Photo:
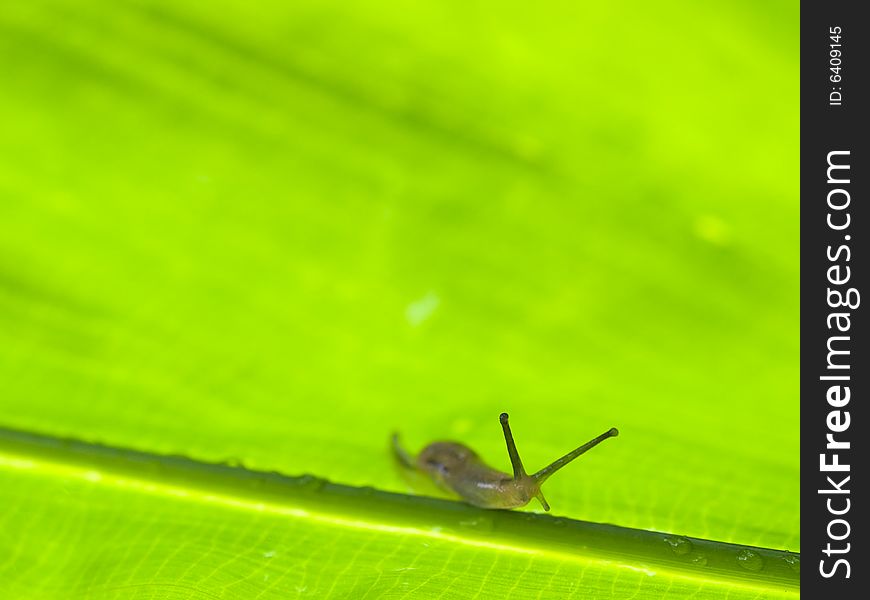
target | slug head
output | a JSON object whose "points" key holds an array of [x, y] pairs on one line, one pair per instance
{"points": [[531, 484]]}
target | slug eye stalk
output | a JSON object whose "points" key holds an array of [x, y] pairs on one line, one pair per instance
{"points": [[535, 481]]}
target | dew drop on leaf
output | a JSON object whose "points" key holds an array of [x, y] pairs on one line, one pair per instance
{"points": [[750, 560], [679, 545]]}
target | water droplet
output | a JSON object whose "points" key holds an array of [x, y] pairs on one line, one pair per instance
{"points": [[794, 562], [479, 524], [713, 230], [679, 545], [422, 309], [310, 483], [750, 560], [700, 560]]}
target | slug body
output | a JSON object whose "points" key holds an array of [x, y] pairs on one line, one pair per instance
{"points": [[457, 469]]}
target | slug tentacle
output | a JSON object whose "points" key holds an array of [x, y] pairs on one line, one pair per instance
{"points": [[401, 454], [542, 475], [516, 463]]}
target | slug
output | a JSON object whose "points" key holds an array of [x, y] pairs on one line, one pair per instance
{"points": [[456, 468]]}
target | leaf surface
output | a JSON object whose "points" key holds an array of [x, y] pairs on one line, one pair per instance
{"points": [[274, 233]]}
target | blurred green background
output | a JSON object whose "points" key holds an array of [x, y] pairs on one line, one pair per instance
{"points": [[277, 232]]}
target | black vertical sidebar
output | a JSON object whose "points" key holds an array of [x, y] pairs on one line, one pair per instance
{"points": [[835, 370]]}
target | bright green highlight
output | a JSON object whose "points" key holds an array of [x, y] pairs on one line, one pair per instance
{"points": [[80, 539], [276, 232]]}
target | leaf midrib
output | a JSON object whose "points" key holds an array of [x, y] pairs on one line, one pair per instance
{"points": [[309, 497]]}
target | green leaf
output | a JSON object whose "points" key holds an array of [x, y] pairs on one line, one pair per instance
{"points": [[274, 233], [105, 489]]}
